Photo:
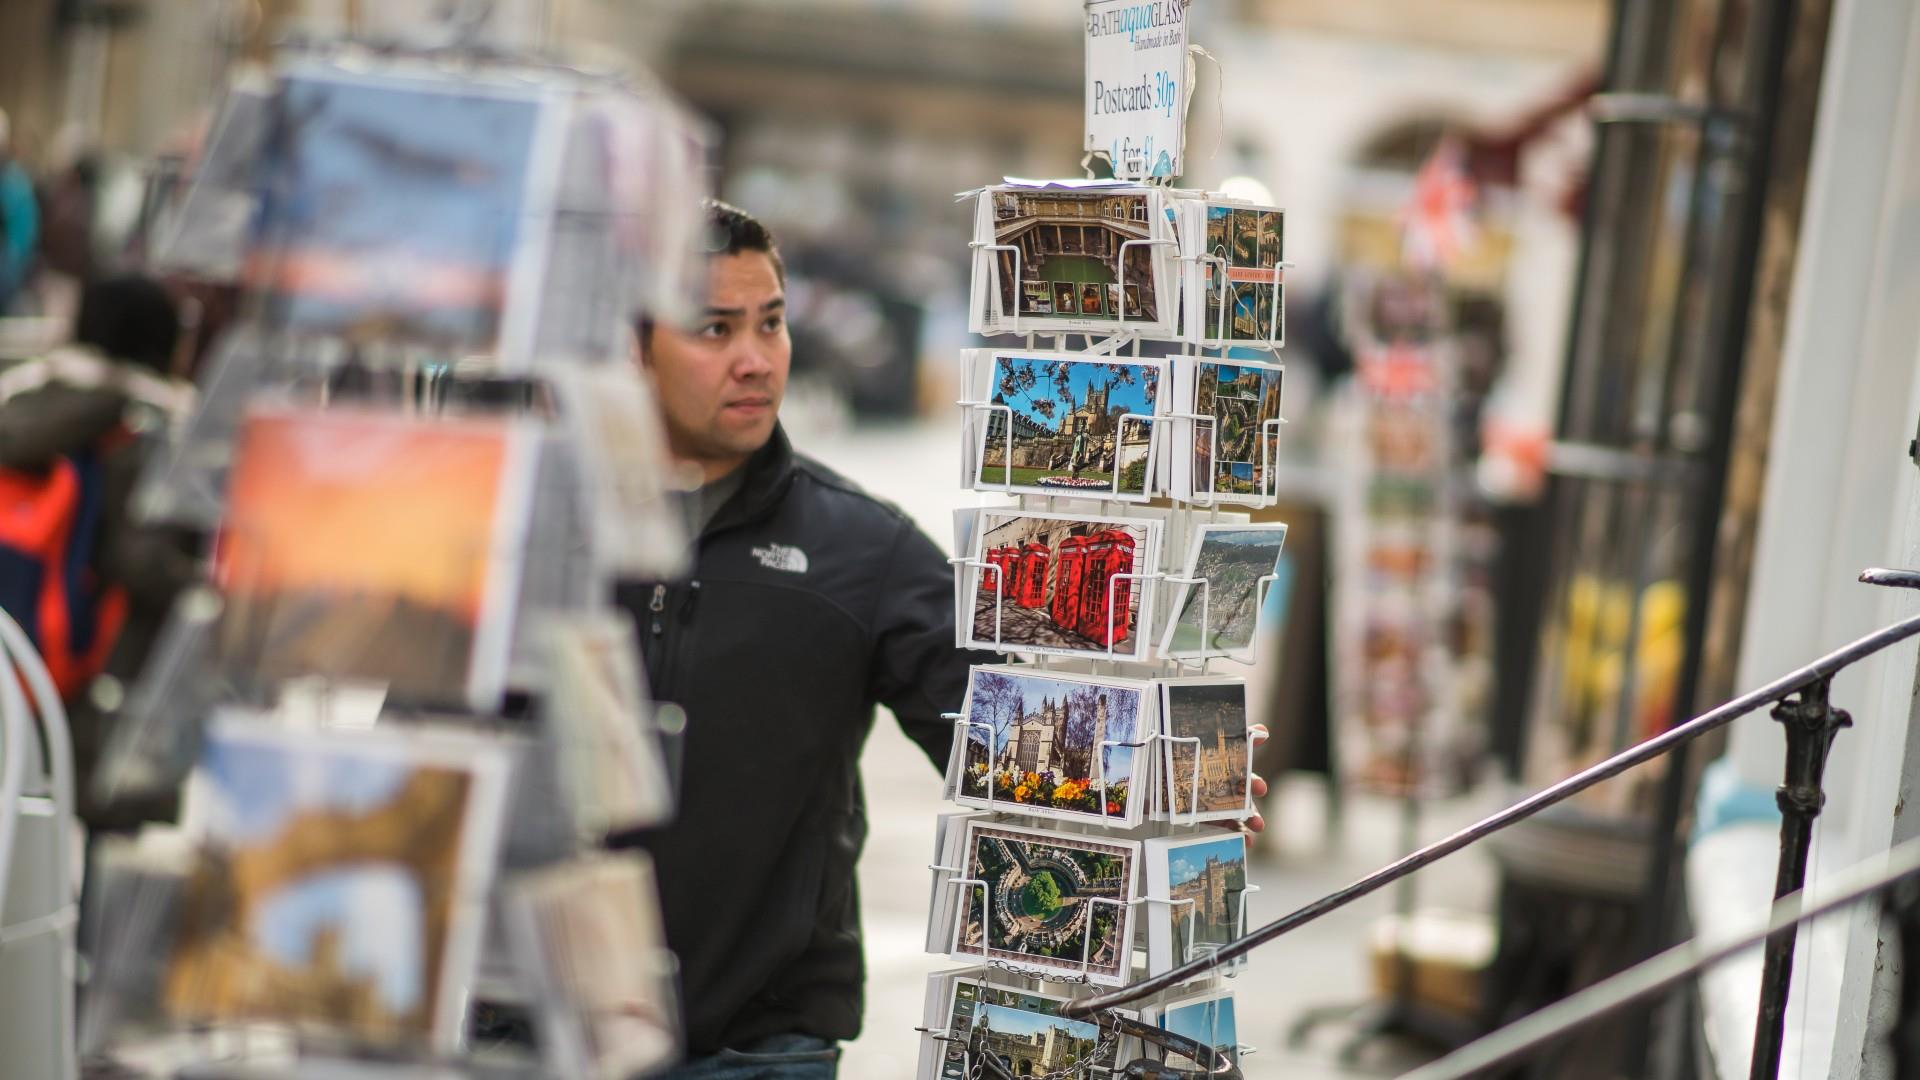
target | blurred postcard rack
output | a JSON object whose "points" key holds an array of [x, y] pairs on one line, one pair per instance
{"points": [[1404, 692], [402, 713]]}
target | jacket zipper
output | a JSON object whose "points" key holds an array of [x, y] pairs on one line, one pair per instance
{"points": [[664, 644]]}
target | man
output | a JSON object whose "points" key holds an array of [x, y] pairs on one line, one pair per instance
{"points": [[809, 602]]}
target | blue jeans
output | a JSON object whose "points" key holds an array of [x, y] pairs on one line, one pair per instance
{"points": [[776, 1057]]}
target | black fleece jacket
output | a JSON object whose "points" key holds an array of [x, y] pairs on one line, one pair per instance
{"points": [[810, 602]]}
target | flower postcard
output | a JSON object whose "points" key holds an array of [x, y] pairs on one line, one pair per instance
{"points": [[1046, 745]]}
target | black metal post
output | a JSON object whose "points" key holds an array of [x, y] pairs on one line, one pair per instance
{"points": [[1902, 906], [1811, 723]]}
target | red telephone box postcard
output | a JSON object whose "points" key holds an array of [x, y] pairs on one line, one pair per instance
{"points": [[1072, 586]]}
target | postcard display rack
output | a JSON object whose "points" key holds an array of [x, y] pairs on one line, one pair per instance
{"points": [[1112, 555], [1402, 554], [402, 717]]}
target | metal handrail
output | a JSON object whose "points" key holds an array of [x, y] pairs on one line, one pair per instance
{"points": [[1643, 980], [1811, 724]]}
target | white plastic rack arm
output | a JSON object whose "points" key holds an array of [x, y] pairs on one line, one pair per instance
{"points": [[17, 648]]}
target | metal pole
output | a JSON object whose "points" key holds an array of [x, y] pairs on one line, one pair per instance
{"points": [[1811, 723]]}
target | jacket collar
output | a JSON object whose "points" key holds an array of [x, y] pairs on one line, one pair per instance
{"points": [[769, 474]]}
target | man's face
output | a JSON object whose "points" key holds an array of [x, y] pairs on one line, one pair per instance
{"points": [[720, 383]]}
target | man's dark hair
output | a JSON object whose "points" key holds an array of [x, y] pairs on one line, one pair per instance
{"points": [[730, 231], [130, 318]]}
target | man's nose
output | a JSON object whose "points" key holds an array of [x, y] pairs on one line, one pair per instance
{"points": [[752, 359]]}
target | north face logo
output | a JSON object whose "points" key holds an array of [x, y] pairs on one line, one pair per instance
{"points": [[782, 557]]}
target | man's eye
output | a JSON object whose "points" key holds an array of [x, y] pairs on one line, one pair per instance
{"points": [[715, 330], [773, 324]]}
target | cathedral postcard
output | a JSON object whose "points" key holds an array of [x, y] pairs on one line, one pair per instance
{"points": [[1061, 746]]}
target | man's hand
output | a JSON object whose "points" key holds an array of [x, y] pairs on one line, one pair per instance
{"points": [[1256, 735]]}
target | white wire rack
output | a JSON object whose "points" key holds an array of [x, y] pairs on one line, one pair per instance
{"points": [[37, 902]]}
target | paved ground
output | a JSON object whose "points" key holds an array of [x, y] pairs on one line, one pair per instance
{"points": [[1324, 964]]}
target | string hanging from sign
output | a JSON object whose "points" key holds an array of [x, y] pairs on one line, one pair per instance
{"points": [[1219, 96]]}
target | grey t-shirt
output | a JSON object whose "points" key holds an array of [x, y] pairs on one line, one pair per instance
{"points": [[699, 505]]}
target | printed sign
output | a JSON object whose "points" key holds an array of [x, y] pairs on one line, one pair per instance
{"points": [[1137, 85]]}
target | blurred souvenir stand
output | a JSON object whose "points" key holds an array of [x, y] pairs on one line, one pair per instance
{"points": [[402, 713]]}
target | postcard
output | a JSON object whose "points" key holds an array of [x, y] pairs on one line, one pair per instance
{"points": [[1065, 585], [1231, 560], [1236, 440], [343, 881], [610, 415], [1051, 903], [589, 932], [1203, 881], [1206, 1019], [612, 770], [1068, 746], [400, 207], [1022, 1028], [965, 520], [376, 548], [1234, 288], [1206, 760], [1053, 259], [949, 839], [134, 891], [207, 234], [1058, 424]]}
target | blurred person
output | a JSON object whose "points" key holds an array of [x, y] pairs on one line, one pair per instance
{"points": [[66, 258], [809, 602], [70, 446], [19, 220]]}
